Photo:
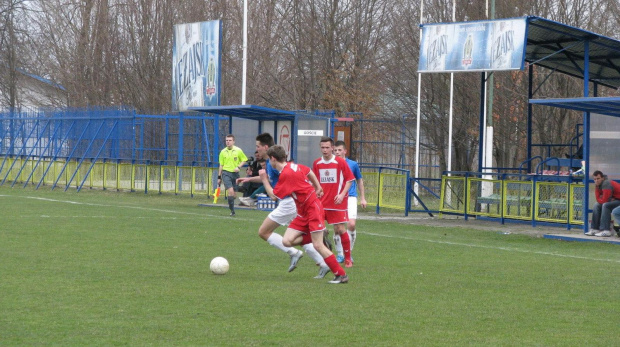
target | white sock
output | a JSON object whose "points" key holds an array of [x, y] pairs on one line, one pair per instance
{"points": [[338, 245], [352, 237], [314, 254], [275, 240]]}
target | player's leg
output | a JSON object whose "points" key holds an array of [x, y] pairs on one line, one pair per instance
{"points": [[352, 211], [315, 223], [289, 240], [329, 258], [290, 237], [282, 215], [341, 229], [332, 217], [229, 184], [338, 246], [306, 241], [339, 219]]}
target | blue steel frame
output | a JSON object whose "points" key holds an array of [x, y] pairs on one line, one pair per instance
{"points": [[95, 134]]}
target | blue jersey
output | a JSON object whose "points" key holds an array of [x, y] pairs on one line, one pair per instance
{"points": [[273, 174], [358, 175]]}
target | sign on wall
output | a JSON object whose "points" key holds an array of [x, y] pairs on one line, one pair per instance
{"points": [[473, 46], [196, 67], [284, 136]]}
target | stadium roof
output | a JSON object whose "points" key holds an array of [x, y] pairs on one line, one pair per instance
{"points": [[561, 47], [248, 112], [604, 105]]}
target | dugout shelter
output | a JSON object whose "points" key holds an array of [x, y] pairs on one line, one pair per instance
{"points": [[521, 44], [297, 131]]}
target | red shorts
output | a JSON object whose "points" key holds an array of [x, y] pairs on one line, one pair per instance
{"points": [[312, 220], [336, 217], [306, 239]]}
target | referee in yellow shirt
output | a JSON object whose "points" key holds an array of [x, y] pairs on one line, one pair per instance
{"points": [[231, 160]]}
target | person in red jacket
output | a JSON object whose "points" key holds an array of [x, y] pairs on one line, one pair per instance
{"points": [[607, 195]]}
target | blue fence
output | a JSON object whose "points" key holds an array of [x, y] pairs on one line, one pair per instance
{"points": [[111, 134]]}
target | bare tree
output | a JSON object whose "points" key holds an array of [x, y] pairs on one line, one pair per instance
{"points": [[12, 37]]}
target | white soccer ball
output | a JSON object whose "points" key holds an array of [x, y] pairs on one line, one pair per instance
{"points": [[219, 266]]}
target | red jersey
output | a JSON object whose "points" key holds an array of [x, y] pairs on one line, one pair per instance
{"points": [[294, 182], [333, 175]]}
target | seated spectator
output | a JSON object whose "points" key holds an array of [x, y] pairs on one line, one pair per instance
{"points": [[607, 195], [616, 214], [251, 199], [248, 188]]}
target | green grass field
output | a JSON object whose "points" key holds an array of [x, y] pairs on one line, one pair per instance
{"points": [[107, 268]]}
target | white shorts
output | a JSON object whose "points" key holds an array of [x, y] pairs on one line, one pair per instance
{"points": [[352, 207], [285, 212]]}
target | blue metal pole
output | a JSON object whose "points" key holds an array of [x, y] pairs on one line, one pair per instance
{"points": [[180, 149], [586, 138], [10, 151], [166, 139], [58, 149], [377, 210], [41, 156], [481, 125], [71, 154], [30, 154], [530, 95], [94, 159], [77, 168], [408, 188], [23, 148]]}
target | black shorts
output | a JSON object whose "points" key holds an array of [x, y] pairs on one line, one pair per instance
{"points": [[230, 179]]}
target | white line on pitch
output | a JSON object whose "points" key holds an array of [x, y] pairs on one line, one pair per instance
{"points": [[101, 217], [124, 206], [509, 249]]}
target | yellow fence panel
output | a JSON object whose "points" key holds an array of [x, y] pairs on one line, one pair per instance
{"points": [[124, 176], [552, 202], [168, 176], [140, 177], [154, 183], [391, 190], [485, 197], [371, 188], [452, 197], [202, 182], [577, 192], [517, 199]]}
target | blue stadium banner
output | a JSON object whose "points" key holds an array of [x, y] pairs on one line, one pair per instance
{"points": [[492, 45], [196, 65]]}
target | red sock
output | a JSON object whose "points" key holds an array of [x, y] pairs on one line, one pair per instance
{"points": [[334, 266], [346, 245]]}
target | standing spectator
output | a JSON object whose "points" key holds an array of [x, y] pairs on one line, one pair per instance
{"points": [[231, 160], [341, 151], [336, 178], [607, 198]]}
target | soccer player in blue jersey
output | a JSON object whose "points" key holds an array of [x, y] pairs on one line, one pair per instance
{"points": [[340, 150]]}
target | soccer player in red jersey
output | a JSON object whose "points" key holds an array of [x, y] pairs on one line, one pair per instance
{"points": [[336, 178], [294, 181]]}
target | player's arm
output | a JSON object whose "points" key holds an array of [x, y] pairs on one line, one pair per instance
{"points": [[268, 189], [315, 183], [253, 179], [360, 187], [340, 197]]}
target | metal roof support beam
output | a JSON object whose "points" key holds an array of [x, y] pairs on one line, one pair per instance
{"points": [[586, 137]]}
